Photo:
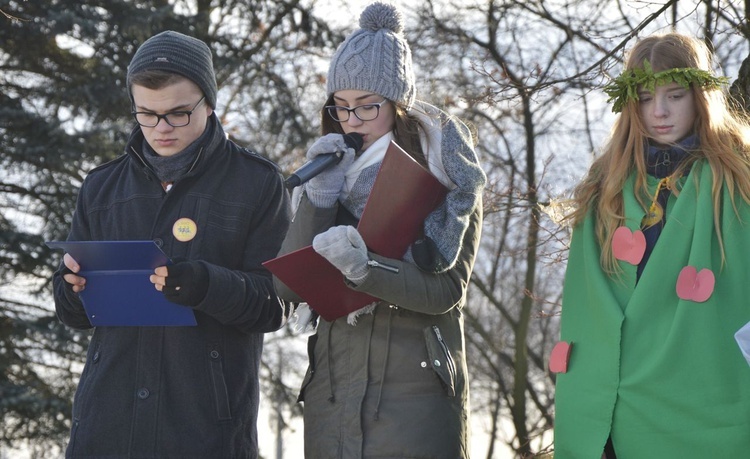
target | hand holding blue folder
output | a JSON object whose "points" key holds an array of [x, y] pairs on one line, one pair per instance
{"points": [[118, 291]]}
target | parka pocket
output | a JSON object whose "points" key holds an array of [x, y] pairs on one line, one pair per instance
{"points": [[88, 378], [219, 384], [310, 366], [73, 435], [441, 359], [83, 392]]}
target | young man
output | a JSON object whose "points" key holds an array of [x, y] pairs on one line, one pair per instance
{"points": [[217, 210]]}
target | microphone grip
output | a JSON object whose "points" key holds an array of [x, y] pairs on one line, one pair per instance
{"points": [[313, 168]]}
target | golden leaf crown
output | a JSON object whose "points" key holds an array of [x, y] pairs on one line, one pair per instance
{"points": [[625, 87]]}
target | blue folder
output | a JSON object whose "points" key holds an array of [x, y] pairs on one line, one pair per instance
{"points": [[118, 290]]}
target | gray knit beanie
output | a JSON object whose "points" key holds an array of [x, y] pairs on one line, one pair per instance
{"points": [[177, 53], [376, 57]]}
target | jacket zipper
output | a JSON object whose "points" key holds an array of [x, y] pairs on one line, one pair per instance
{"points": [[447, 353]]}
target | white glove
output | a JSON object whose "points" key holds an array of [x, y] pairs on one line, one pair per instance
{"points": [[323, 190], [344, 248], [303, 318]]}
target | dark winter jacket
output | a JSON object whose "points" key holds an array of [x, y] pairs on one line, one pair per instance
{"points": [[395, 385], [181, 392]]}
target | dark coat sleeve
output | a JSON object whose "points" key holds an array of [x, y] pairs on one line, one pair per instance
{"points": [[68, 305], [246, 298]]}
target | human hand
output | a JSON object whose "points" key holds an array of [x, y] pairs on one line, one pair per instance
{"points": [[304, 318], [184, 283], [70, 274], [323, 189], [344, 248]]}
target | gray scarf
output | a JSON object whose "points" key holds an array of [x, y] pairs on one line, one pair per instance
{"points": [[171, 168], [450, 152]]}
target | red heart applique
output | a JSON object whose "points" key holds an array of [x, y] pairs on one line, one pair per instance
{"points": [[695, 286], [558, 359], [627, 246]]}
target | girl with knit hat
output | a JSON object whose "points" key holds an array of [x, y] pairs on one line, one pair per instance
{"points": [[657, 279], [390, 379]]}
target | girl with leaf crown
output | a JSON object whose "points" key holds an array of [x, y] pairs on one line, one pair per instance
{"points": [[657, 277]]}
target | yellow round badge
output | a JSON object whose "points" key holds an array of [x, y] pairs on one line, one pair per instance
{"points": [[184, 230]]}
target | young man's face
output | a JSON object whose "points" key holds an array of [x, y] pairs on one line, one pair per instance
{"points": [[184, 96]]}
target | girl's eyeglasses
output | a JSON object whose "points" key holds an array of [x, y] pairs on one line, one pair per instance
{"points": [[366, 112]]}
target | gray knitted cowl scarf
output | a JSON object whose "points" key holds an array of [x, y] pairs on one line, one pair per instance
{"points": [[171, 168], [450, 153]]}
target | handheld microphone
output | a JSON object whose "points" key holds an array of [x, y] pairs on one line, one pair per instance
{"points": [[323, 161]]}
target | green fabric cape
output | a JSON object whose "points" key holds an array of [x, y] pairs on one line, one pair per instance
{"points": [[663, 375]]}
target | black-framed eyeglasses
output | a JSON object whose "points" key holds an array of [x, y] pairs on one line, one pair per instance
{"points": [[366, 112], [174, 119]]}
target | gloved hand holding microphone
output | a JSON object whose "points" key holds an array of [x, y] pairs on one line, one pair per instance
{"points": [[328, 160]]}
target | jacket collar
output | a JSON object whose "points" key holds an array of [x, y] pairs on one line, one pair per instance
{"points": [[662, 161], [209, 151]]}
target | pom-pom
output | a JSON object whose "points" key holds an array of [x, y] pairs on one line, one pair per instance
{"points": [[381, 15]]}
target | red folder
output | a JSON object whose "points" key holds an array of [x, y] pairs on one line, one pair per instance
{"points": [[403, 195]]}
